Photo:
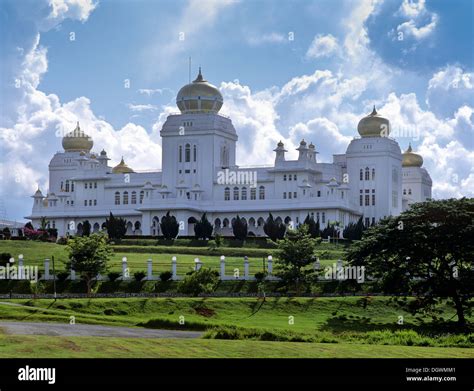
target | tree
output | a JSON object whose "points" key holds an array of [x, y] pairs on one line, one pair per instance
{"points": [[169, 226], [116, 227], [274, 229], [313, 227], [201, 281], [426, 252], [86, 228], [6, 233], [88, 256], [29, 225], [203, 228], [239, 228], [295, 253]]}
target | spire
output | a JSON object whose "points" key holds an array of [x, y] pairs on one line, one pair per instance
{"points": [[199, 77], [409, 148], [374, 112]]}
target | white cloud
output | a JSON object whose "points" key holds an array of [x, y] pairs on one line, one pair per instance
{"points": [[420, 24], [67, 9], [322, 46], [140, 108], [272, 37]]}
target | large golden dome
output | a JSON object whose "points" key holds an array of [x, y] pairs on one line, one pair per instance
{"points": [[411, 159], [373, 125], [199, 96], [122, 168], [77, 140]]}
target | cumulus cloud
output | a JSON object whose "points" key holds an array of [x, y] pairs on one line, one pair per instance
{"points": [[322, 46], [420, 24]]}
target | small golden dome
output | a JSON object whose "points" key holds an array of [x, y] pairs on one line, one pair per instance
{"points": [[411, 159], [77, 140], [373, 125], [311, 145], [280, 144], [121, 168], [199, 96], [303, 143]]}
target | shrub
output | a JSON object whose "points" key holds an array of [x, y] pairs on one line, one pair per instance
{"points": [[113, 276], [166, 276], [4, 258], [61, 240], [139, 276], [62, 276], [260, 276], [202, 281], [218, 240], [169, 226]]}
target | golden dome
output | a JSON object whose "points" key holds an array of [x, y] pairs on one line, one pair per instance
{"points": [[373, 125], [77, 140], [411, 159], [199, 96], [121, 168]]}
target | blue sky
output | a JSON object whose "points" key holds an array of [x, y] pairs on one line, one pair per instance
{"points": [[413, 59]]}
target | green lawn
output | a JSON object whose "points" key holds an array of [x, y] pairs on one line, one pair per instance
{"points": [[36, 252], [94, 347]]}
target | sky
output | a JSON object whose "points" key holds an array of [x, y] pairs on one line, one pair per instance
{"points": [[287, 70]]}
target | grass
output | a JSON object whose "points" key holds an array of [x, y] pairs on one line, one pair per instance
{"points": [[95, 347], [36, 252], [337, 320]]}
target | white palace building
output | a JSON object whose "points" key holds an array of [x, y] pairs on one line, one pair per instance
{"points": [[199, 174]]}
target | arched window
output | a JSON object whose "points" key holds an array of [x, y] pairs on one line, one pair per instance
{"points": [[261, 193], [62, 186], [284, 177], [187, 153], [134, 197], [236, 193], [361, 174], [367, 174], [225, 223], [142, 194], [125, 197], [180, 153], [67, 186], [244, 193], [226, 194], [194, 153], [404, 191], [409, 191], [117, 198], [260, 222], [253, 193], [72, 186], [373, 174], [217, 223]]}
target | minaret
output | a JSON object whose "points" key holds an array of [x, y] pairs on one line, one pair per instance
{"points": [[280, 153], [303, 151]]}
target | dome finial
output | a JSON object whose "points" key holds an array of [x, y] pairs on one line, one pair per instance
{"points": [[199, 77], [374, 112]]}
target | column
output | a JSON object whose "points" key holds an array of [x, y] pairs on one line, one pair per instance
{"points": [[173, 269], [246, 268], [125, 271], [270, 265], [73, 275], [149, 270], [46, 269], [222, 267]]}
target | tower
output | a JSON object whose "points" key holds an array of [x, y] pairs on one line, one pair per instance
{"points": [[374, 165], [198, 142]]}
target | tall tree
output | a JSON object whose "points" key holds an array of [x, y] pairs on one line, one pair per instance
{"points": [[426, 252], [274, 229], [239, 228], [86, 228], [116, 227], [88, 256], [169, 226], [203, 228], [313, 227], [295, 253]]}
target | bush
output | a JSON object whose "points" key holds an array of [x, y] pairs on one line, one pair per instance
{"points": [[4, 258], [62, 276], [61, 240], [202, 281], [260, 276], [113, 276], [139, 276], [166, 276]]}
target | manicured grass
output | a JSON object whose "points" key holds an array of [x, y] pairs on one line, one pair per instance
{"points": [[36, 252], [94, 347]]}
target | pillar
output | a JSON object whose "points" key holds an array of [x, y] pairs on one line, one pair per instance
{"points": [[246, 268], [125, 271], [149, 270], [46, 269], [222, 267], [73, 275], [270, 265], [173, 268]]}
